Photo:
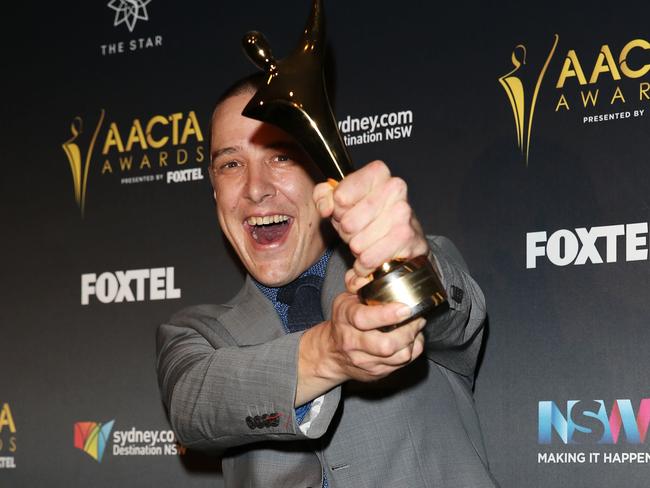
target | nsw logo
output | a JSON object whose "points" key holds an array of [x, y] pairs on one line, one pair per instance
{"points": [[589, 422]]}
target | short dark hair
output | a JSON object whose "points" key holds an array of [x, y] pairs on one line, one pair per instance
{"points": [[247, 84]]}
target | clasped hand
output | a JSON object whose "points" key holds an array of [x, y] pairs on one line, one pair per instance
{"points": [[370, 211]]}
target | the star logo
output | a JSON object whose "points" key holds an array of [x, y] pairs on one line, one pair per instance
{"points": [[129, 12]]}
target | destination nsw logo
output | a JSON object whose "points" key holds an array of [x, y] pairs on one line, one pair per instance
{"points": [[96, 439], [376, 128]]}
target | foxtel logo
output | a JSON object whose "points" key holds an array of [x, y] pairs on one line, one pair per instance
{"points": [[579, 246], [135, 285]]}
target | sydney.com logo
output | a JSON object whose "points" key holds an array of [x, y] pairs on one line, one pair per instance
{"points": [[595, 82], [94, 438]]}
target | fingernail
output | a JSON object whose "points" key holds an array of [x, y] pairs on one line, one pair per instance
{"points": [[404, 312]]}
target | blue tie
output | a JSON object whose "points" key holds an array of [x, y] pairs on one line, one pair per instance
{"points": [[303, 298]]}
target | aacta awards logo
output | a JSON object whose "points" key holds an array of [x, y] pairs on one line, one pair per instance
{"points": [[602, 86], [521, 99], [80, 161], [92, 437], [157, 149], [7, 438]]}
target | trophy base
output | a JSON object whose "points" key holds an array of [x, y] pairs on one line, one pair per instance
{"points": [[413, 282]]}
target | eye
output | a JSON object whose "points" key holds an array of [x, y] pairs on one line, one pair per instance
{"points": [[281, 158], [225, 166]]}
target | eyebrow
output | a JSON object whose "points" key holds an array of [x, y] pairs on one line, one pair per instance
{"points": [[224, 150], [289, 145], [286, 145]]}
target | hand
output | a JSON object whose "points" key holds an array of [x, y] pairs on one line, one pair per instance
{"points": [[352, 346], [362, 351], [370, 211]]}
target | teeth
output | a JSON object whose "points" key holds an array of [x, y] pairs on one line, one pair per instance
{"points": [[267, 219]]}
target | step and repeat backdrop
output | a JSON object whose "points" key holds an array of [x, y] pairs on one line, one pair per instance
{"points": [[521, 128]]}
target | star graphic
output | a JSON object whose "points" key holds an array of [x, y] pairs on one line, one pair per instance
{"points": [[129, 12]]}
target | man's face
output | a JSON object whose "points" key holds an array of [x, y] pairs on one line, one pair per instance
{"points": [[263, 189]]}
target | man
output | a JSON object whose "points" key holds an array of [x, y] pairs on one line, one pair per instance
{"points": [[317, 393]]}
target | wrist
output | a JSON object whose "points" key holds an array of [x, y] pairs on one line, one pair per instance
{"points": [[319, 352]]}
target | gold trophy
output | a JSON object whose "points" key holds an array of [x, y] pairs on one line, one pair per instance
{"points": [[295, 99]]}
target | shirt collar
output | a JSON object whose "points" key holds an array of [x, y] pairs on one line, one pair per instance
{"points": [[318, 269]]}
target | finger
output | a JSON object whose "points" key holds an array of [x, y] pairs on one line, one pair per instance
{"points": [[354, 282], [411, 350], [413, 327], [377, 366], [395, 346], [395, 221], [399, 358], [323, 197], [371, 367], [368, 317], [418, 346], [400, 238], [357, 185], [407, 354], [375, 206], [387, 249]]}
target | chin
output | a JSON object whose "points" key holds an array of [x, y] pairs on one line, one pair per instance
{"points": [[278, 276], [274, 282]]}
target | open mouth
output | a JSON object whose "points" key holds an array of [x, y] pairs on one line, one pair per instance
{"points": [[269, 229]]}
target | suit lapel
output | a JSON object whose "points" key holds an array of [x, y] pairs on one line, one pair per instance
{"points": [[252, 318], [334, 282]]}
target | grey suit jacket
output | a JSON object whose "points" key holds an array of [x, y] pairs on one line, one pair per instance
{"points": [[228, 378]]}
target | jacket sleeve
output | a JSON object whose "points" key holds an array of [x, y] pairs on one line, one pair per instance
{"points": [[454, 337], [219, 394]]}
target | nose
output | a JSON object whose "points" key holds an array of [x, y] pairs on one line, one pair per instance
{"points": [[259, 183]]}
